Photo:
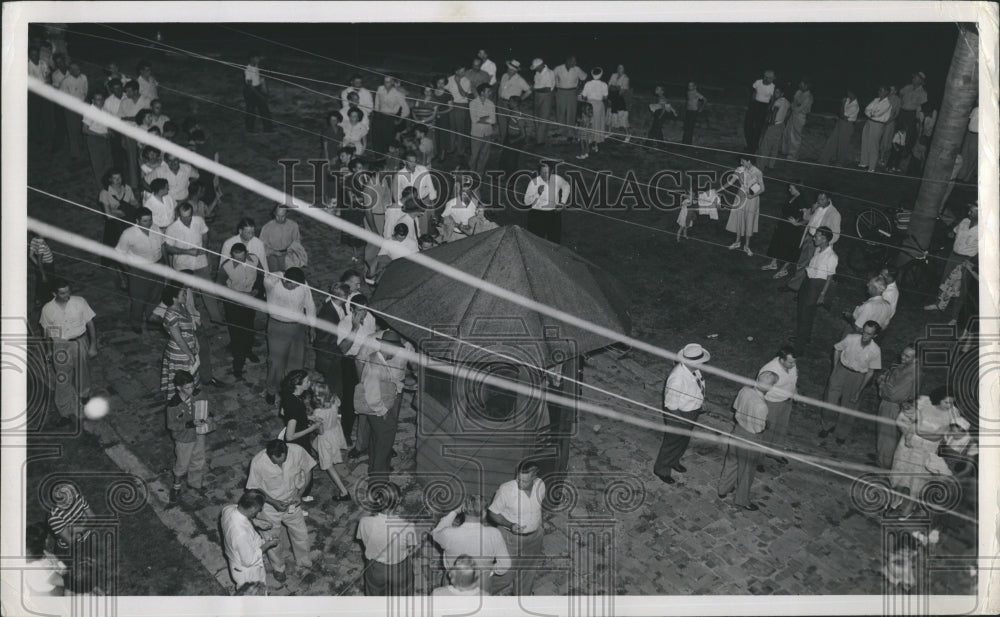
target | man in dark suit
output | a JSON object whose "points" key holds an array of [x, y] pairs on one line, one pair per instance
{"points": [[329, 358]]}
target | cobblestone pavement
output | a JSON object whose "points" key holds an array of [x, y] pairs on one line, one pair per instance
{"points": [[681, 539]]}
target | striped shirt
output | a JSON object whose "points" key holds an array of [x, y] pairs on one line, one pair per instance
{"points": [[38, 247], [62, 517]]}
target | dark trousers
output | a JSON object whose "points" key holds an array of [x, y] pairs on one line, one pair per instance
{"points": [[656, 128], [509, 158], [907, 120], [330, 366], [40, 119], [381, 438], [144, 290], [740, 465], [383, 132], [118, 154], [546, 224], [239, 319], [256, 102], [385, 580], [349, 379], [74, 129], [806, 311], [888, 434], [753, 126], [673, 446], [690, 119], [43, 288]]}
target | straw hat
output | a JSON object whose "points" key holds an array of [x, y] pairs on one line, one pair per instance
{"points": [[693, 353]]}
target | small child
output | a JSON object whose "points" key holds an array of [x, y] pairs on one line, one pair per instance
{"points": [[685, 219], [425, 145], [708, 204], [584, 130], [426, 242], [330, 437], [41, 258]]}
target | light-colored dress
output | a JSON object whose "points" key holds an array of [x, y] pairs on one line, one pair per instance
{"points": [[332, 441], [913, 464], [746, 210]]}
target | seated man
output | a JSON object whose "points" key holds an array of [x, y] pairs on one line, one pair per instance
{"points": [[394, 249]]}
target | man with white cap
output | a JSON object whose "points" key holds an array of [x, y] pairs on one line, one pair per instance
{"points": [[545, 83], [683, 398], [511, 84]]}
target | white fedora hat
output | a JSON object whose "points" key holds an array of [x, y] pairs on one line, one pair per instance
{"points": [[537, 62], [693, 353]]}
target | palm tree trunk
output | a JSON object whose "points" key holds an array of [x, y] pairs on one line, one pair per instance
{"points": [[960, 96]]}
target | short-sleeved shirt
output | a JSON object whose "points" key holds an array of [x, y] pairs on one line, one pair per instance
{"points": [[684, 390], [140, 245], [513, 85], [178, 182], [254, 247], [519, 507], [823, 264], [912, 97], [277, 236], [544, 78], [595, 90], [875, 309], [40, 249], [762, 92], [183, 236], [66, 321], [966, 239], [280, 482], [857, 357], [568, 77], [252, 74], [241, 541], [750, 409], [62, 517], [787, 382], [163, 210], [386, 538]]}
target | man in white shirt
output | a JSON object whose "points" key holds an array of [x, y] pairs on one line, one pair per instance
{"points": [[177, 174], [683, 397], [255, 96], [838, 145], [568, 77], [291, 324], [483, 116], [511, 85], [485, 546], [458, 211], [816, 278], [246, 233], [366, 102], [875, 308], [75, 84], [761, 93], [415, 175], [389, 541], [825, 214], [544, 86], [770, 143], [240, 270], [149, 88], [547, 194], [488, 66], [161, 204], [68, 325], [964, 249], [891, 293], [243, 545], [878, 113], [184, 242], [142, 244], [391, 109], [855, 360], [461, 93], [281, 473], [517, 511], [112, 105], [779, 399]]}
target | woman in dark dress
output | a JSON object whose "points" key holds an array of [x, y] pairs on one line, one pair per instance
{"points": [[353, 209], [293, 411], [784, 245]]}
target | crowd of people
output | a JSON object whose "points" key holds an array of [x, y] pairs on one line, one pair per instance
{"points": [[380, 147]]}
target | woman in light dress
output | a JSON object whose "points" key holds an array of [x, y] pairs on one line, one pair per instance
{"points": [[749, 182], [330, 438]]}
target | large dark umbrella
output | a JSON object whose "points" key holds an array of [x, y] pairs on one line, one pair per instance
{"points": [[516, 260]]}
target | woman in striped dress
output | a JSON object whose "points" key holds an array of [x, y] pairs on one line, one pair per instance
{"points": [[181, 353]]}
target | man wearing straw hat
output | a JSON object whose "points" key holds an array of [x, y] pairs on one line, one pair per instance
{"points": [[683, 398], [511, 85]]}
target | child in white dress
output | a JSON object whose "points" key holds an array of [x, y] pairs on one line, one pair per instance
{"points": [[330, 439]]}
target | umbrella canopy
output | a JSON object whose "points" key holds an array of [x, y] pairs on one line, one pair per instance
{"points": [[518, 261]]}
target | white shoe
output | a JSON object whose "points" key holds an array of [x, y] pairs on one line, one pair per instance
{"points": [[746, 249], [769, 267], [582, 156], [628, 138], [308, 499], [931, 307], [734, 246]]}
